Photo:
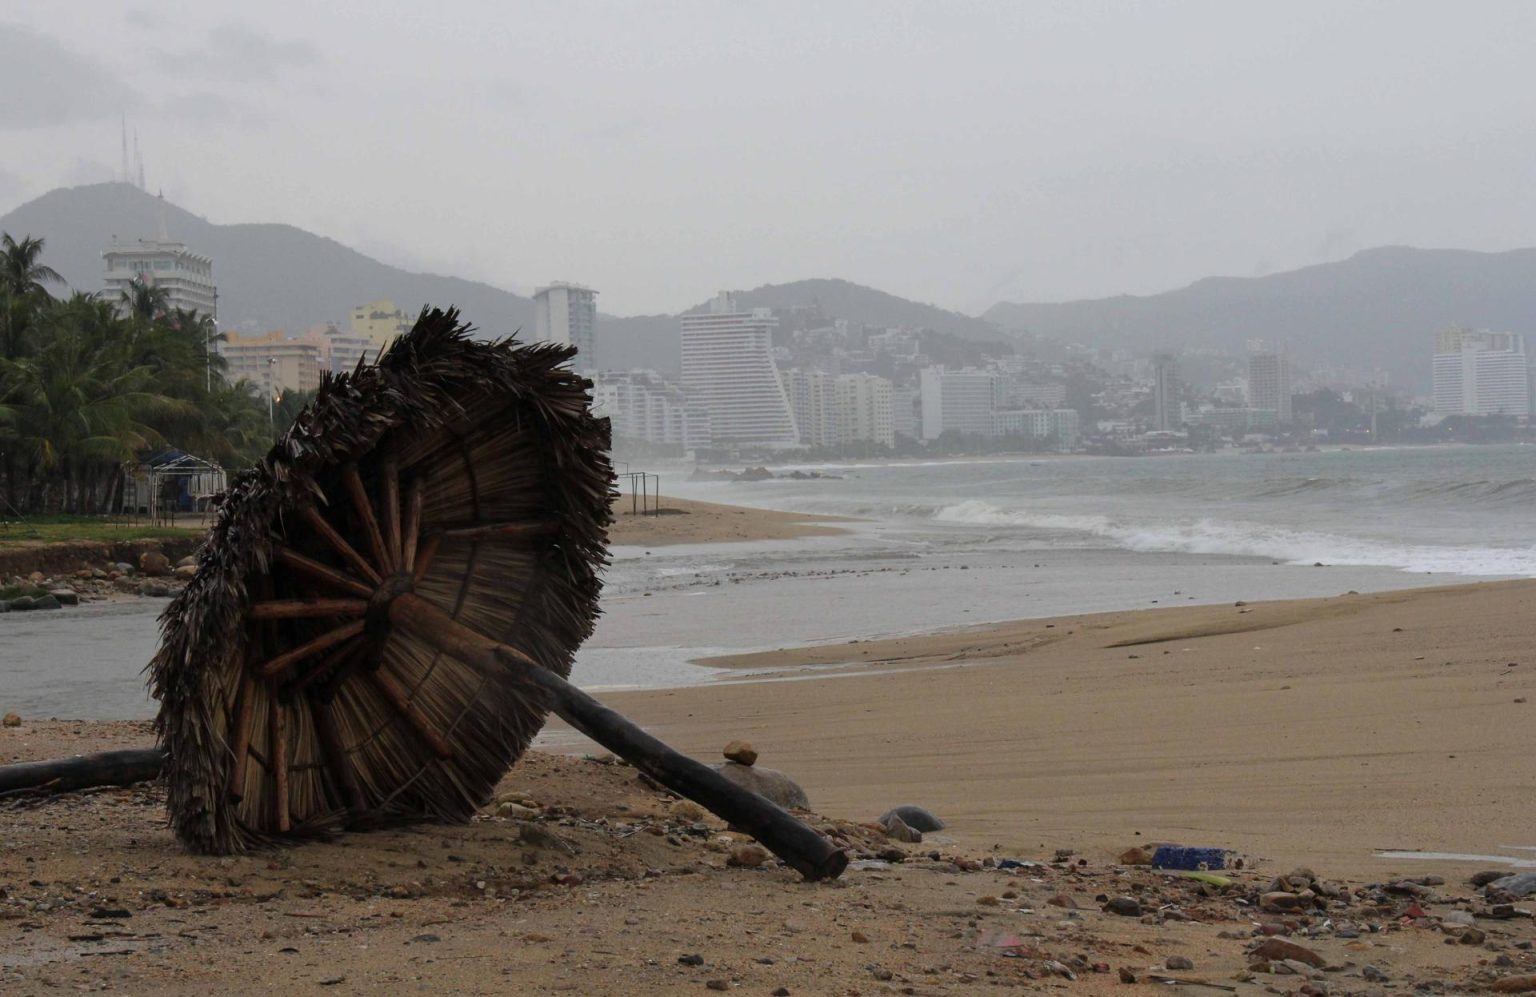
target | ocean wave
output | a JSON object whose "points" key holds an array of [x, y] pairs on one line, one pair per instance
{"points": [[1210, 536]]}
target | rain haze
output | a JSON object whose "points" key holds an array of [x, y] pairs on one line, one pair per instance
{"points": [[955, 153], [518, 497]]}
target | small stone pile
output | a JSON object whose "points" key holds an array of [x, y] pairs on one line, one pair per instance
{"points": [[154, 576]]}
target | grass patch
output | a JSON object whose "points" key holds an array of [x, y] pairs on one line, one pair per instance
{"points": [[65, 529]]}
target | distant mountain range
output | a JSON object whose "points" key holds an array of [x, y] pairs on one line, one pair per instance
{"points": [[282, 277], [1379, 308], [657, 336], [269, 276]]}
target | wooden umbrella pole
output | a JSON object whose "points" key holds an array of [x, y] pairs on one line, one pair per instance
{"points": [[797, 844]]}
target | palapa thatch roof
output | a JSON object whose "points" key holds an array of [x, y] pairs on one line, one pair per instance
{"points": [[492, 483]]}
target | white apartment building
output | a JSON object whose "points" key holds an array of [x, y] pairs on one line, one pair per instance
{"points": [[1060, 426], [1477, 372], [728, 369], [186, 277], [1167, 410], [640, 405], [813, 401], [1269, 382], [834, 409], [864, 409], [567, 313], [958, 401]]}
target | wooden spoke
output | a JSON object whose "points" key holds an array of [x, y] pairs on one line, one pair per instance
{"points": [[322, 572], [278, 730], [336, 757], [397, 698], [413, 503], [245, 707], [364, 508], [425, 553], [339, 544], [500, 531], [390, 511], [323, 642], [340, 657], [304, 609]]}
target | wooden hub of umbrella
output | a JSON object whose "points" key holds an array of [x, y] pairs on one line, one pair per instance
{"points": [[351, 611]]}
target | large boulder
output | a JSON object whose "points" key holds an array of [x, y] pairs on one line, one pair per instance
{"points": [[914, 817], [769, 783], [154, 563]]}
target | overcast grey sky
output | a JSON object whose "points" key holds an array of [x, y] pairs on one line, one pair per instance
{"points": [[958, 153]]}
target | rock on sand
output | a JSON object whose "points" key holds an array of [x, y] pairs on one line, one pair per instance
{"points": [[769, 783]]}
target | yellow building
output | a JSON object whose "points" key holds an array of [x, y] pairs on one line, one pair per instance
{"points": [[379, 322], [272, 362]]}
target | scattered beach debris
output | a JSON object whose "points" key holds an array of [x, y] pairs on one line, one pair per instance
{"points": [[1183, 857]]}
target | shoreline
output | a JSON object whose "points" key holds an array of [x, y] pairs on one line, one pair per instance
{"points": [[1307, 730], [690, 521]]}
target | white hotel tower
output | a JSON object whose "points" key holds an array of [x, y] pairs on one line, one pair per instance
{"points": [[728, 369]]}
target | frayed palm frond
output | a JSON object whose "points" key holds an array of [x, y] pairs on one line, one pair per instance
{"points": [[370, 728]]}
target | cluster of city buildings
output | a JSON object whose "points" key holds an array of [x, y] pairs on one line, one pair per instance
{"points": [[739, 389]]}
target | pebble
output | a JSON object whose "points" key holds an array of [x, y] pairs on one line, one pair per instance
{"points": [[12, 719], [692, 959], [748, 856], [1179, 962], [1124, 906], [741, 752], [898, 830], [1281, 949], [718, 985], [1523, 984]]}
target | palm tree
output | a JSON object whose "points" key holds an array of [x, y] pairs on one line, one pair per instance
{"points": [[23, 287], [144, 301], [78, 407]]}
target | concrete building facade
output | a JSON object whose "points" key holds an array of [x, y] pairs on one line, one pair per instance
{"points": [[379, 322], [1269, 383], [959, 401], [728, 369], [567, 313], [1477, 372], [1167, 410], [272, 362], [186, 277]]}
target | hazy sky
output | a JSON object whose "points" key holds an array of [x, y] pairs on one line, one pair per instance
{"points": [[952, 152]]}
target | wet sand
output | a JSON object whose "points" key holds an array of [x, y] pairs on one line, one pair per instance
{"points": [[1304, 731], [1312, 732], [684, 521]]}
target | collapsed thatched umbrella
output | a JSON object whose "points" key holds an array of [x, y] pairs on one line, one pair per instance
{"points": [[388, 604]]}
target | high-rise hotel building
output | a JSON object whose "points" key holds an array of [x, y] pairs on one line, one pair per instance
{"points": [[728, 369], [1477, 372], [567, 313], [186, 277]]}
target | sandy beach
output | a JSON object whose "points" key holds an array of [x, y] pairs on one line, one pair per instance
{"points": [[1308, 733], [684, 521]]}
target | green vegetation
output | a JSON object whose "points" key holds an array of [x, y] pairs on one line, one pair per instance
{"points": [[87, 384], [63, 529]]}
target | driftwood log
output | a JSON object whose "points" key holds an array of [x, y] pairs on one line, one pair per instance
{"points": [[63, 775]]}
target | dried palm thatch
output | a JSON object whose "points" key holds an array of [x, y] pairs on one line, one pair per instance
{"points": [[474, 470], [387, 606]]}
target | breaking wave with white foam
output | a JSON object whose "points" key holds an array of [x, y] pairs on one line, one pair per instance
{"points": [[1236, 537]]}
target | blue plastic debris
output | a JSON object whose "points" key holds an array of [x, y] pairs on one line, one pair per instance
{"points": [[1179, 857]]}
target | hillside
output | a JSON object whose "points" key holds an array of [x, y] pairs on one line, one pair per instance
{"points": [[657, 336], [1379, 308], [269, 276]]}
